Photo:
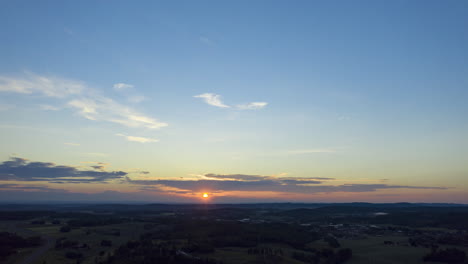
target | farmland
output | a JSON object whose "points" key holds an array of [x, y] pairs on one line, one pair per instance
{"points": [[234, 234]]}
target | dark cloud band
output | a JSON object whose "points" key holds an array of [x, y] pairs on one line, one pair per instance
{"points": [[257, 183], [19, 169]]}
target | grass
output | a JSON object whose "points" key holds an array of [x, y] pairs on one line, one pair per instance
{"points": [[368, 250], [128, 231], [17, 257], [238, 255], [373, 250]]}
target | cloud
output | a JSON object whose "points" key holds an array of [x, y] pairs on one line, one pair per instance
{"points": [[232, 182], [128, 91], [136, 99], [215, 100], [47, 86], [20, 169], [252, 106], [71, 144], [212, 99], [247, 177], [26, 187], [239, 177], [5, 107], [106, 109], [44, 194], [259, 183], [96, 154], [207, 41], [138, 139], [294, 152], [72, 34], [98, 167], [122, 86], [344, 118], [309, 151], [48, 107], [86, 101]]}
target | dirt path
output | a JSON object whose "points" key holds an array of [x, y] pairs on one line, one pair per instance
{"points": [[35, 255], [38, 252]]}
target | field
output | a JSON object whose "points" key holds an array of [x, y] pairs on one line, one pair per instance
{"points": [[231, 236], [90, 236], [373, 250]]}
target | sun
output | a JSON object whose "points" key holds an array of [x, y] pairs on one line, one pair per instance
{"points": [[205, 195]]}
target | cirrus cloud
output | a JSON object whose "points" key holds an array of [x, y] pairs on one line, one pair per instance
{"points": [[46, 107], [106, 109], [212, 99], [138, 139], [216, 100], [122, 86], [252, 106], [87, 102], [46, 85]]}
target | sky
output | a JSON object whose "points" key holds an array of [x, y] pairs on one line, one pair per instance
{"points": [[246, 101]]}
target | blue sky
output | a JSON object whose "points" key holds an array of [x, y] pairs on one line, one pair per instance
{"points": [[361, 92]]}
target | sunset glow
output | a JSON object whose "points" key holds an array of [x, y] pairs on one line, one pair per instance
{"points": [[215, 102], [234, 131]]}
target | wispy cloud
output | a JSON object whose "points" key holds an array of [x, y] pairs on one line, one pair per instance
{"points": [[101, 166], [29, 193], [138, 139], [72, 34], [280, 177], [49, 86], [87, 102], [123, 86], [48, 107], [26, 187], [136, 98], [292, 152], [215, 100], [344, 117], [309, 151], [96, 154], [71, 144], [129, 92], [235, 177], [252, 106], [106, 109], [207, 41], [212, 99], [5, 107]]}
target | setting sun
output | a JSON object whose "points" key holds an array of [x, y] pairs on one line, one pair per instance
{"points": [[205, 195]]}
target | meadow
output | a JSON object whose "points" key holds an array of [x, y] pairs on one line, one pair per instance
{"points": [[227, 235]]}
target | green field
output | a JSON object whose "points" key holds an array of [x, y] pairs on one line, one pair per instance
{"points": [[373, 250], [368, 250], [238, 255], [202, 237], [92, 236]]}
